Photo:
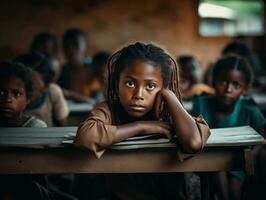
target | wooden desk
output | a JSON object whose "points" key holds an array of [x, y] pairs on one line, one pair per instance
{"points": [[225, 150]]}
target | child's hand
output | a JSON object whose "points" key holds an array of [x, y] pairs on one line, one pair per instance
{"points": [[155, 127]]}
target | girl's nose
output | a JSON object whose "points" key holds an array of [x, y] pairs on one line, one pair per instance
{"points": [[138, 94], [229, 88], [7, 97]]}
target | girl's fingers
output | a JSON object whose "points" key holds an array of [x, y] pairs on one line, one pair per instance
{"points": [[165, 125], [167, 133]]}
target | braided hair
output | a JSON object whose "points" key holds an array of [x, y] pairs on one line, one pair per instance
{"points": [[146, 53]]}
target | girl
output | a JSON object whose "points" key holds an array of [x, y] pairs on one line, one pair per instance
{"points": [[142, 98], [232, 77], [15, 93]]}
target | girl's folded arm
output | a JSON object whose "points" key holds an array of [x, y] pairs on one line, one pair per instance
{"points": [[188, 132]]}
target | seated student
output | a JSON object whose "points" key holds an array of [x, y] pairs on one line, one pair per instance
{"points": [[48, 102], [140, 78], [15, 93], [45, 43], [232, 76], [74, 43], [190, 75], [95, 86]]}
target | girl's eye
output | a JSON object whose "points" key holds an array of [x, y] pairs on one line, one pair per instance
{"points": [[222, 82], [17, 94], [130, 84], [150, 87], [237, 85]]}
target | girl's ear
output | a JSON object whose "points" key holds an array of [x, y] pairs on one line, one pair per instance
{"points": [[28, 102], [246, 91]]}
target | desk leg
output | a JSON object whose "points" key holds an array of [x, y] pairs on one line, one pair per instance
{"points": [[249, 161]]}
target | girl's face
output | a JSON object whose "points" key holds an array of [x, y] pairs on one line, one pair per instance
{"points": [[229, 86], [13, 98], [139, 84]]}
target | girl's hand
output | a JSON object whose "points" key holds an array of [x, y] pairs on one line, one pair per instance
{"points": [[155, 127]]}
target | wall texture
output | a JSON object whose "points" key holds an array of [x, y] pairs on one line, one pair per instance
{"points": [[109, 24]]}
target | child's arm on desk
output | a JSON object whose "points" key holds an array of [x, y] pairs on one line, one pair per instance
{"points": [[142, 127], [98, 132], [186, 129]]}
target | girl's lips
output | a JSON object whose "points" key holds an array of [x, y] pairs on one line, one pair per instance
{"points": [[6, 109], [137, 107]]}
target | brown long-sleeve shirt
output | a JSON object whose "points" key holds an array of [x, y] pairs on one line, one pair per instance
{"points": [[98, 132]]}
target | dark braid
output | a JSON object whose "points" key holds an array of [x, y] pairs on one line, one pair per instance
{"points": [[147, 53]]}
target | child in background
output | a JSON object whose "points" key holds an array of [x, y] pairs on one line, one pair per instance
{"points": [[75, 46], [15, 93], [45, 43], [95, 86], [232, 77], [48, 102], [190, 75], [140, 78]]}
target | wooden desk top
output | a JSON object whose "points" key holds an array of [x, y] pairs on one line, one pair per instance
{"points": [[60, 136], [225, 150]]}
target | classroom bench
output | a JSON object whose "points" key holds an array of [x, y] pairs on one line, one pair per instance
{"points": [[49, 150]]}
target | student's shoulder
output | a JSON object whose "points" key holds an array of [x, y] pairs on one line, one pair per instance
{"points": [[248, 104], [55, 92], [53, 87], [101, 110], [33, 121]]}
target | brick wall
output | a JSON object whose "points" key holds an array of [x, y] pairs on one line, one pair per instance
{"points": [[109, 24]]}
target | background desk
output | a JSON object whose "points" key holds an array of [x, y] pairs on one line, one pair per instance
{"points": [[227, 149]]}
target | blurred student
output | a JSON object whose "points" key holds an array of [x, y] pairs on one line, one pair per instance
{"points": [[75, 72], [190, 74], [45, 43], [48, 102], [232, 77], [95, 85]]}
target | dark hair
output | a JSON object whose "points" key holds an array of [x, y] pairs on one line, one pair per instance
{"points": [[99, 62], [18, 70], [143, 52], [70, 37], [242, 49], [39, 63], [233, 62], [239, 48], [184, 60], [40, 39]]}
